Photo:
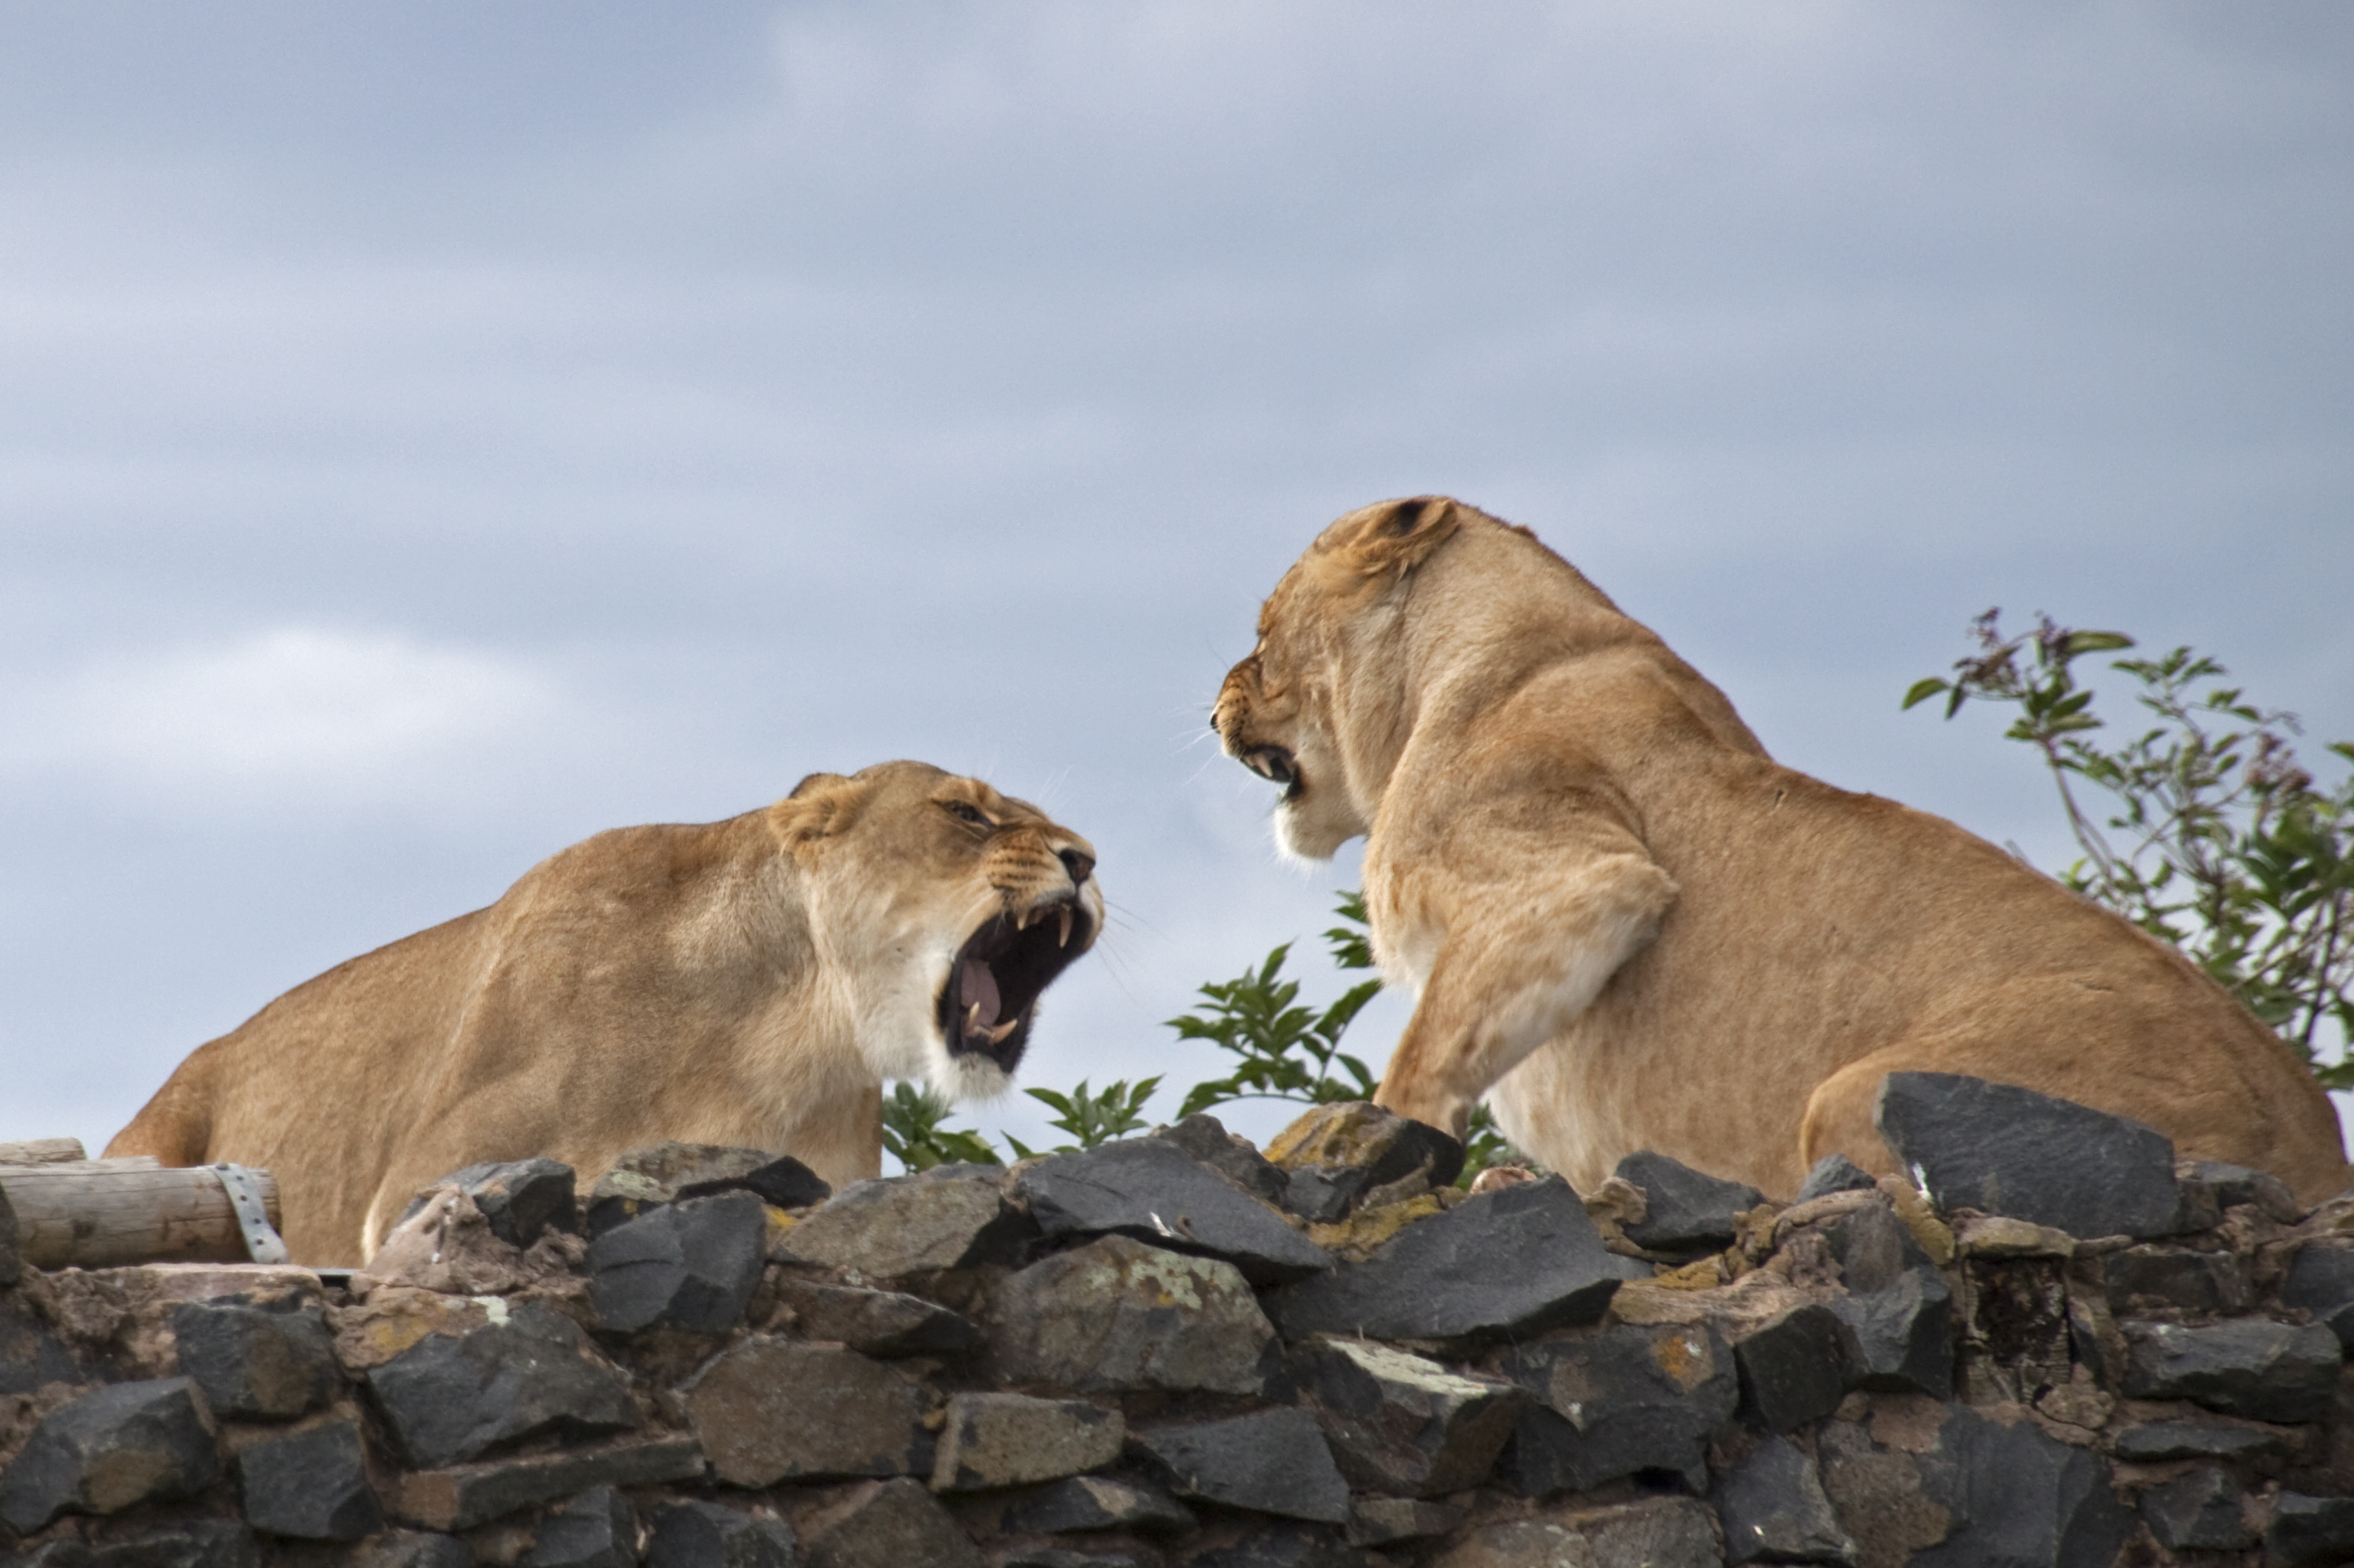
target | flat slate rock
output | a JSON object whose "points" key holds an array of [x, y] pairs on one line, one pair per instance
{"points": [[1772, 1507], [951, 1216], [1205, 1138], [696, 1534], [256, 1364], [1684, 1208], [522, 1198], [464, 1496], [2160, 1440], [2003, 1149], [691, 1264], [189, 1544], [897, 1525], [111, 1450], [1519, 1260], [309, 1484], [1616, 1402], [2309, 1533], [1402, 1424], [450, 1400], [991, 1440], [598, 1529], [769, 1410], [2250, 1366], [1116, 1314], [1269, 1461], [2198, 1510], [875, 1322], [1092, 1503], [1153, 1191]]}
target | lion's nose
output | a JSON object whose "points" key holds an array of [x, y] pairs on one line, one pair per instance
{"points": [[1077, 863]]}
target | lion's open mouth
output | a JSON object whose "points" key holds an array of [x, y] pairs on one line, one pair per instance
{"points": [[1277, 766], [993, 987]]}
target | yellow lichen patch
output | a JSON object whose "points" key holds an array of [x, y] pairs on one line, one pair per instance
{"points": [[1683, 1357], [779, 1223], [1706, 1274], [1355, 1237], [1348, 1133], [1914, 1209]]}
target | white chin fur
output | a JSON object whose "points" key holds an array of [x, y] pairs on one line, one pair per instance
{"points": [[1304, 841], [967, 1078]]}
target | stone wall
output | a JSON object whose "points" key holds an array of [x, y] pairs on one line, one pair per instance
{"points": [[2060, 1347]]}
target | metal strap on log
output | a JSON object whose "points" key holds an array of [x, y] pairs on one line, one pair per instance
{"points": [[105, 1213]]}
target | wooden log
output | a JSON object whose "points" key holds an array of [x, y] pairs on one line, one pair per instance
{"points": [[42, 1151], [104, 1213]]}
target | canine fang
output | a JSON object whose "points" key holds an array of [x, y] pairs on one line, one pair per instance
{"points": [[997, 1035], [1064, 914]]}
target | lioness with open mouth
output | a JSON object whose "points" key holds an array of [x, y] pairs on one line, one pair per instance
{"points": [[1629, 928], [748, 982]]}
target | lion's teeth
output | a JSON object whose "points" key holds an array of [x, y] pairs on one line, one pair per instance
{"points": [[1064, 914], [972, 1019], [1022, 920], [997, 1035]]}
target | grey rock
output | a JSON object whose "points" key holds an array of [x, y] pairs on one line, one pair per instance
{"points": [[1323, 1193], [254, 1364], [1032, 1555], [1204, 1137], [769, 1410], [2003, 1149], [1657, 1532], [1517, 1261], [1387, 1147], [522, 1198], [2321, 1280], [898, 1525], [598, 1529], [2161, 1440], [1092, 1503], [186, 1543], [1615, 1402], [2144, 1279], [643, 1179], [1772, 1507], [446, 1400], [311, 1484], [1684, 1209], [1152, 1191], [1011, 1439], [2234, 1185], [1270, 1461], [11, 1263], [951, 1216], [691, 1264], [1986, 1493], [2199, 1510], [30, 1354], [1379, 1521], [1872, 1247], [414, 1549], [1399, 1423], [1284, 1546], [875, 1322], [1117, 1314], [1833, 1174], [1794, 1368], [2309, 1533], [111, 1450], [1901, 1337], [2250, 1367], [694, 1534], [464, 1496]]}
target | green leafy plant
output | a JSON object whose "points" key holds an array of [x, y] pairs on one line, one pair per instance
{"points": [[2215, 837], [1091, 1118], [913, 1134]]}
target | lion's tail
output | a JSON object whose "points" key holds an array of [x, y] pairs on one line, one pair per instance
{"points": [[175, 1126]]}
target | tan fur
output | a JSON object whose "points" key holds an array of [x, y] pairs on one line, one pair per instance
{"points": [[1629, 929], [750, 983]]}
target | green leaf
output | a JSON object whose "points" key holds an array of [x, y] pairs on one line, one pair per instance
{"points": [[1922, 690], [2094, 642]]}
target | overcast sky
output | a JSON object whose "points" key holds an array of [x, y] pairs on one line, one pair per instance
{"points": [[431, 434]]}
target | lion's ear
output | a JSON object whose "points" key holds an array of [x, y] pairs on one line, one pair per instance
{"points": [[820, 806], [1395, 538]]}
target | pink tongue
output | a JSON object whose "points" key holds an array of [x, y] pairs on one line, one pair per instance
{"points": [[976, 984]]}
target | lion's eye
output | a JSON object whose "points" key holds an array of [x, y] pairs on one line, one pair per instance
{"points": [[964, 813]]}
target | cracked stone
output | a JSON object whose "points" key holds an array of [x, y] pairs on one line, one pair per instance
{"points": [[951, 1216], [1773, 1506], [2234, 1185], [769, 1410], [1284, 1546], [1683, 1208], [1616, 1402], [448, 1400], [2250, 1367], [1152, 1191], [1011, 1439], [2003, 1149], [256, 1364], [1517, 1261], [1323, 1193], [414, 1549], [111, 1450], [1117, 1314], [1270, 1461], [1399, 1423], [690, 1265], [311, 1484], [694, 1534]]}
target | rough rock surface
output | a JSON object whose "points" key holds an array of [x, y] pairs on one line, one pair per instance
{"points": [[2002, 1150], [1010, 1439], [895, 1525], [254, 1364], [1901, 1336], [1117, 1314], [1684, 1209], [1354, 1135], [1616, 1402], [1402, 1424], [1517, 1261], [111, 1450], [696, 1534], [1205, 1138], [1772, 1505], [2321, 1281], [311, 1484], [1154, 1192], [1094, 1503], [691, 1264], [951, 1216], [598, 1529], [1659, 1532], [520, 1198], [875, 1322], [2271, 1372], [769, 1410], [448, 1399], [1270, 1461], [644, 1179]]}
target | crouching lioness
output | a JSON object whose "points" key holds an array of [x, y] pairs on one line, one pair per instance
{"points": [[750, 983], [1629, 929]]}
